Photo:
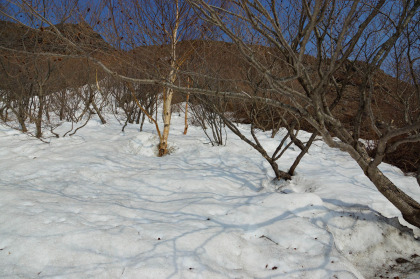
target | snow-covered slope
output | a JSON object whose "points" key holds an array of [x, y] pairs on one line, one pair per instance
{"points": [[100, 204]]}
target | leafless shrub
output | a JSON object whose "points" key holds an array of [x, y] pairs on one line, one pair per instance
{"points": [[206, 112]]}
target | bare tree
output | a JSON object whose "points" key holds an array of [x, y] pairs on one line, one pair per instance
{"points": [[316, 39], [153, 30], [319, 45]]}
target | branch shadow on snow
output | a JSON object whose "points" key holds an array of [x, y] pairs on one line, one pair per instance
{"points": [[129, 223]]}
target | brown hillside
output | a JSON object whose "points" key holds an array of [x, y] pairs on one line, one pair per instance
{"points": [[20, 37], [209, 64]]}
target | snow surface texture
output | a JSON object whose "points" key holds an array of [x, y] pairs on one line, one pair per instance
{"points": [[100, 204]]}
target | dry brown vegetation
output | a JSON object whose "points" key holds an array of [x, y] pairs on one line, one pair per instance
{"points": [[313, 65], [210, 64]]}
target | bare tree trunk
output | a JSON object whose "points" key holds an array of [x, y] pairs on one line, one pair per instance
{"points": [[38, 120], [186, 108], [409, 208], [279, 173], [62, 103], [143, 117], [98, 112], [301, 154], [186, 114], [21, 117], [167, 113]]}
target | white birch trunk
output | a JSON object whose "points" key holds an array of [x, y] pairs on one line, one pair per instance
{"points": [[168, 93]]}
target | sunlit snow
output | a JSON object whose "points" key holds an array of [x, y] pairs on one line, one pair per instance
{"points": [[100, 204]]}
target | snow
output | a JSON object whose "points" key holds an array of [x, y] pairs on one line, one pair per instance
{"points": [[100, 204]]}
